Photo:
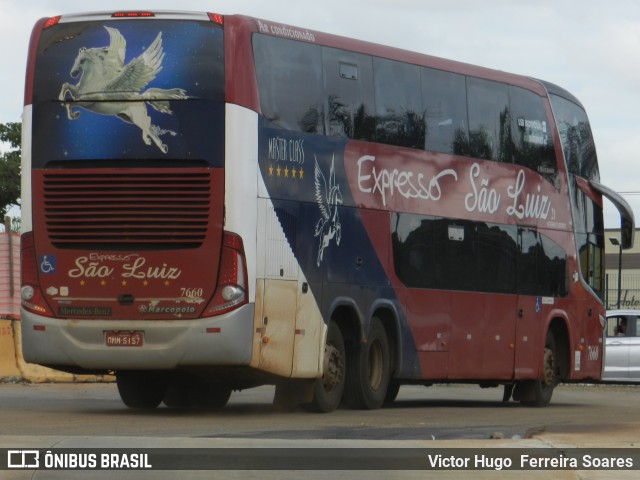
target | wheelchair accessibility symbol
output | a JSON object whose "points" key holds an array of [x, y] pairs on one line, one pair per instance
{"points": [[47, 264]]}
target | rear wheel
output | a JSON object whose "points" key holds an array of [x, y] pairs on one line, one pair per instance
{"points": [[327, 391], [140, 389], [392, 392], [196, 393], [210, 396], [368, 370]]}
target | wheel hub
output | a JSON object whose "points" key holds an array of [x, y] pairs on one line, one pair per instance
{"points": [[549, 367], [332, 376]]}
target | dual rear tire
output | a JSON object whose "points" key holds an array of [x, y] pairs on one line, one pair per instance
{"points": [[368, 370], [147, 389], [357, 376]]}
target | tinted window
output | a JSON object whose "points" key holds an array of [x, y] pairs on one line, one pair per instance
{"points": [[434, 252], [489, 124], [554, 276], [348, 84], [399, 112], [575, 136], [414, 251], [587, 216], [542, 265], [532, 142], [444, 96], [440, 253], [290, 83], [590, 250], [323, 90], [496, 259]]}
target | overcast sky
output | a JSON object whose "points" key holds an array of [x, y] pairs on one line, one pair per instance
{"points": [[589, 47]]}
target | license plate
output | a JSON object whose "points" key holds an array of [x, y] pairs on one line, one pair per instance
{"points": [[124, 339]]}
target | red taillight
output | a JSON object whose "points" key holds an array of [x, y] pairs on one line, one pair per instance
{"points": [[216, 18], [132, 14], [51, 22], [31, 295], [232, 277]]}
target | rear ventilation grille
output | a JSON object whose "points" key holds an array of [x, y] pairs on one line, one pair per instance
{"points": [[113, 211]]}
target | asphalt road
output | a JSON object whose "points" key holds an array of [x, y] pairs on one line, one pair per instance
{"points": [[453, 418], [446, 412]]}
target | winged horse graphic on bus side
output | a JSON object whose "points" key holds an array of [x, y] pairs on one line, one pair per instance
{"points": [[328, 198], [109, 87]]}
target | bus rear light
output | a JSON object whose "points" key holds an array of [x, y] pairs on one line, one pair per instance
{"points": [[232, 277], [51, 22], [216, 18], [31, 296], [132, 14]]}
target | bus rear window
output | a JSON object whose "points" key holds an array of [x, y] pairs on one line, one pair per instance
{"points": [[155, 86]]}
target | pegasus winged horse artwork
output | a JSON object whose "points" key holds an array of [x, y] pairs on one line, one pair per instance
{"points": [[328, 198], [108, 86]]}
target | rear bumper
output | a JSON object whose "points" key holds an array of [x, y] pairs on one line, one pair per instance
{"points": [[225, 340]]}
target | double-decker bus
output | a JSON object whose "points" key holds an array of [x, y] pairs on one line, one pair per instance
{"points": [[218, 202]]}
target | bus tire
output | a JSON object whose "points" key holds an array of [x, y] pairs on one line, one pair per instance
{"points": [[537, 393], [196, 394], [328, 390], [176, 395], [142, 390], [209, 396], [368, 370], [392, 392]]}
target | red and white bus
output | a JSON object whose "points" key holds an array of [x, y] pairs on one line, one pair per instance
{"points": [[217, 202]]}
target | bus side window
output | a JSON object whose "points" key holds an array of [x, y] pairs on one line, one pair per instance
{"points": [[554, 269], [587, 216], [348, 83], [496, 257], [445, 111], [290, 83], [542, 265], [575, 136], [530, 262], [399, 112], [531, 132], [489, 124]]}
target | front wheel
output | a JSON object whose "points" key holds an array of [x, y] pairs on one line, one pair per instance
{"points": [[369, 370], [537, 393]]}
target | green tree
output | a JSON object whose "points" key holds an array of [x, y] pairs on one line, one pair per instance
{"points": [[10, 166]]}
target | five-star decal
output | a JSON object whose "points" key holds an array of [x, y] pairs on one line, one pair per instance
{"points": [[292, 173]]}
